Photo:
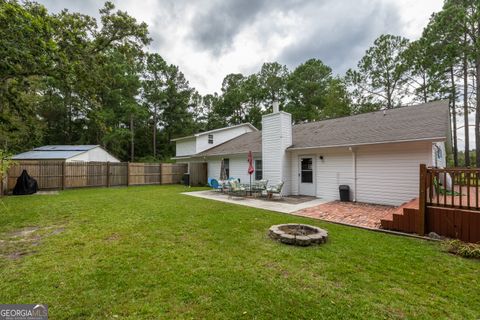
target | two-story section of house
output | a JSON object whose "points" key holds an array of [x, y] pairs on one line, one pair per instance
{"points": [[195, 148]]}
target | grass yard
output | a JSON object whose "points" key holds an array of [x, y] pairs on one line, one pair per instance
{"points": [[151, 252]]}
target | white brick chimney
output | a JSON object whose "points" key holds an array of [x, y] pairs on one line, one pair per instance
{"points": [[276, 138]]}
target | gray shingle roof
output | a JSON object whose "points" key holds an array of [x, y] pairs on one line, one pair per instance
{"points": [[420, 122]]}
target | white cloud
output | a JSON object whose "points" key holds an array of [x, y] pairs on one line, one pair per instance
{"points": [[264, 30]]}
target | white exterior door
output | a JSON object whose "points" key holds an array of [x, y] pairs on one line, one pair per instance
{"points": [[306, 175]]}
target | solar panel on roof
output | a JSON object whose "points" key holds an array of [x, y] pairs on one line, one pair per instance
{"points": [[85, 147], [42, 154]]}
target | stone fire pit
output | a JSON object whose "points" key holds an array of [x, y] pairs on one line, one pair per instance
{"points": [[298, 234]]}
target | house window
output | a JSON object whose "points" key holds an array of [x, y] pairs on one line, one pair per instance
{"points": [[210, 138], [258, 170], [439, 153], [307, 170], [226, 163]]}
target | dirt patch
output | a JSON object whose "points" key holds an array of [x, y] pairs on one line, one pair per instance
{"points": [[113, 237], [19, 255], [17, 244], [47, 193], [22, 233]]}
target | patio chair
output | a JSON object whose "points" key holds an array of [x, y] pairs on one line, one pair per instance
{"points": [[261, 184], [215, 185], [235, 188], [276, 189], [209, 181]]}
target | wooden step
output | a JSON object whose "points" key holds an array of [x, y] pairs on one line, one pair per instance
{"points": [[386, 224]]}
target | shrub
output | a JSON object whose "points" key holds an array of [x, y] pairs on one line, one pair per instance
{"points": [[466, 250]]}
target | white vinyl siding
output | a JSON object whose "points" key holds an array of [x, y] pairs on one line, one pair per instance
{"points": [[213, 168], [276, 138], [389, 174], [238, 167], [185, 147], [204, 141], [386, 174], [219, 137], [334, 170]]}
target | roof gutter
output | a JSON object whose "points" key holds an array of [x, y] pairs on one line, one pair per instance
{"points": [[368, 143]]}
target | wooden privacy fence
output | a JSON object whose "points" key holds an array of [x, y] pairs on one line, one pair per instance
{"points": [[448, 204], [61, 175]]}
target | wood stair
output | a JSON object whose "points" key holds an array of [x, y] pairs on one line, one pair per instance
{"points": [[403, 222]]}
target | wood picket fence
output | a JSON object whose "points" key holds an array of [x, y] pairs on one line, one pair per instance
{"points": [[55, 174]]}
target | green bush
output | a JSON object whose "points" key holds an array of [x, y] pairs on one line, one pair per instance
{"points": [[466, 250]]}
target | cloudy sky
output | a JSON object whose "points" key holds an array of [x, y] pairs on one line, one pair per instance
{"points": [[211, 38]]}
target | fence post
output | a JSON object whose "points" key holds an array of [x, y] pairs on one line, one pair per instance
{"points": [[63, 174], [1, 178], [128, 174], [108, 174], [422, 200], [160, 173]]}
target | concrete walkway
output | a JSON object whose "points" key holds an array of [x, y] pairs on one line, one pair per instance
{"points": [[273, 205]]}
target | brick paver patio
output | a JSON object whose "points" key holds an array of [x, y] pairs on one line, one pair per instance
{"points": [[361, 214]]}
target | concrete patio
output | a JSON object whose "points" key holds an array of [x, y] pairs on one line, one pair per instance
{"points": [[284, 204]]}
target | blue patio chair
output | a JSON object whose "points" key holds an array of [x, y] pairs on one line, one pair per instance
{"points": [[209, 181], [215, 185]]}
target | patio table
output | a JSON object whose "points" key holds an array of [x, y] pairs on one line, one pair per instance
{"points": [[254, 188]]}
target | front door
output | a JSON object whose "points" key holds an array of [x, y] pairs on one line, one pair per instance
{"points": [[307, 175]]}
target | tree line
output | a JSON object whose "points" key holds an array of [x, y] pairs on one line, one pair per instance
{"points": [[67, 78]]}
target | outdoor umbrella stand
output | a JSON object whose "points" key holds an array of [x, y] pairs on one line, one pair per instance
{"points": [[251, 169]]}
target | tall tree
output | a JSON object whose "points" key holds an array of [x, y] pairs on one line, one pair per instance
{"points": [[458, 24], [234, 98], [424, 82], [28, 52], [381, 73], [176, 115], [307, 88], [273, 79], [254, 96], [337, 100], [154, 83]]}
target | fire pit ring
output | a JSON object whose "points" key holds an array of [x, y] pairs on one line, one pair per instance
{"points": [[298, 234]]}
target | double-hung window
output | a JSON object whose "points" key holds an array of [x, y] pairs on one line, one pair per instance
{"points": [[258, 170]]}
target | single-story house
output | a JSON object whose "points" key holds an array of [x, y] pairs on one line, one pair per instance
{"points": [[376, 154], [68, 153]]}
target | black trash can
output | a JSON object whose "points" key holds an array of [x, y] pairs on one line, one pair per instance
{"points": [[344, 192], [186, 179]]}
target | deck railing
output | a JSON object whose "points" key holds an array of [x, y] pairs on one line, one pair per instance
{"points": [[452, 187]]}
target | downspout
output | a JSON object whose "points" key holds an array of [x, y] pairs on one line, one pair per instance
{"points": [[354, 168]]}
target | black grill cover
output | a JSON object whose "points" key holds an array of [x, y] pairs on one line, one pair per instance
{"points": [[25, 184]]}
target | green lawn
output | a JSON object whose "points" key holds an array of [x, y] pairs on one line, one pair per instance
{"points": [[151, 252]]}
